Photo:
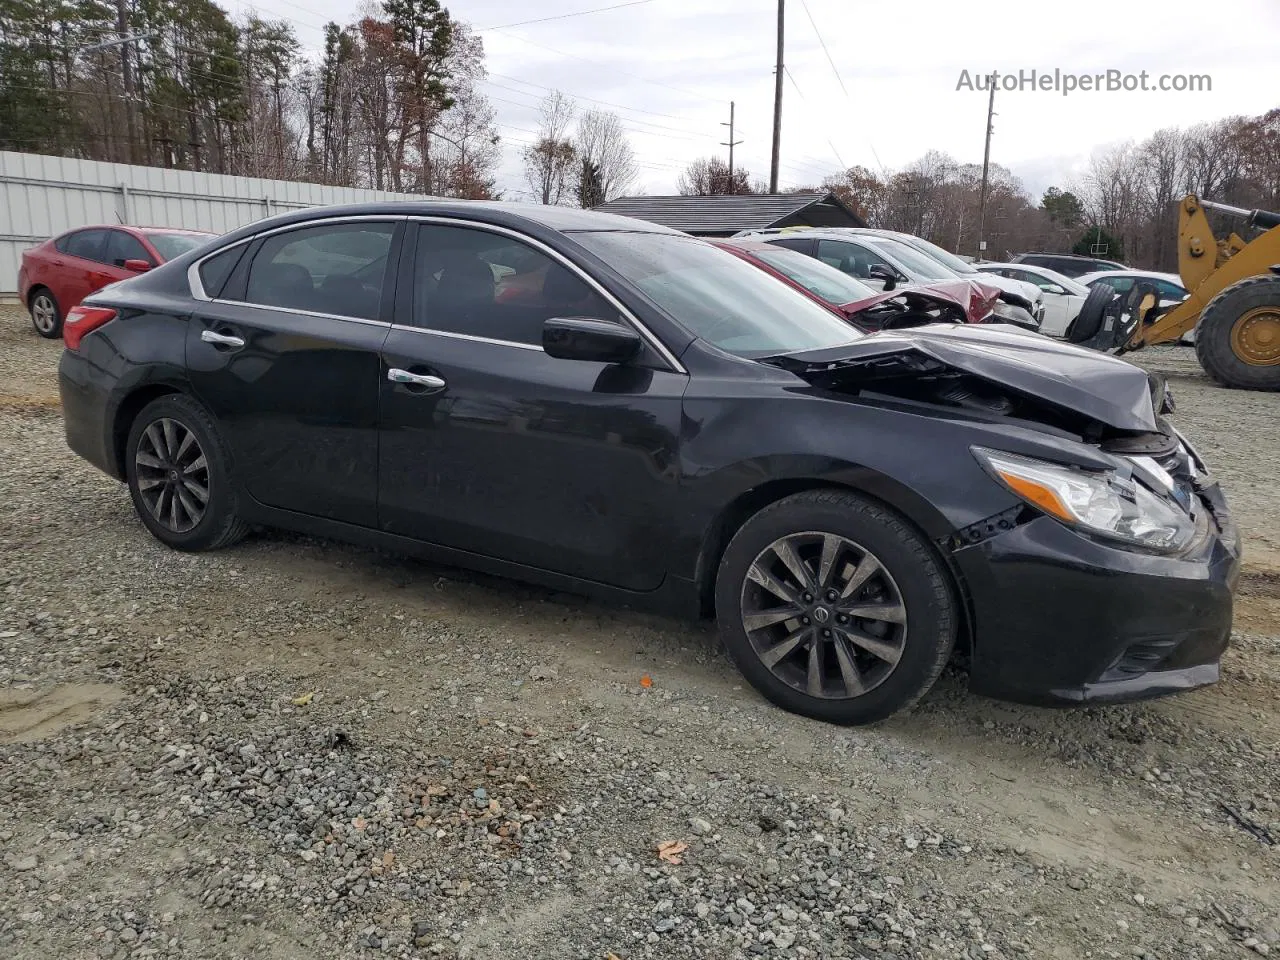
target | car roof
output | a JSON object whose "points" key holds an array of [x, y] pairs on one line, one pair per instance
{"points": [[1067, 256], [1090, 277], [499, 213], [130, 227], [746, 243]]}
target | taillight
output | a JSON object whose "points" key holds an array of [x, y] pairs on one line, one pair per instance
{"points": [[83, 320]]}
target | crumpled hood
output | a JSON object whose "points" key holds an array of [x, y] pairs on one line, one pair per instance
{"points": [[973, 298], [1104, 388]]}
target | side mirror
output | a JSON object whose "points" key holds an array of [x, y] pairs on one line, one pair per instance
{"points": [[137, 266], [1055, 289], [579, 338], [879, 271]]}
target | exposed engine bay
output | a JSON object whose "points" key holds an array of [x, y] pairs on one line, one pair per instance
{"points": [[909, 309]]}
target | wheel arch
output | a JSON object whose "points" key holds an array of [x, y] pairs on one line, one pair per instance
{"points": [[126, 412], [910, 506], [36, 288]]}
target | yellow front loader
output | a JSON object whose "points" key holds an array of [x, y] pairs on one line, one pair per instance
{"points": [[1235, 298]]}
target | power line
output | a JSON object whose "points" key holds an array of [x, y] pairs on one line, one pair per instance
{"points": [[607, 103], [564, 16], [612, 68], [818, 34], [691, 134]]}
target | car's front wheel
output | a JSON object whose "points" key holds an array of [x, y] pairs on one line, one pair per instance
{"points": [[834, 607], [45, 315], [179, 479]]}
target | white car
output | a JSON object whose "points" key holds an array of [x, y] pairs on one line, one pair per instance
{"points": [[1168, 286], [963, 268], [1063, 297]]}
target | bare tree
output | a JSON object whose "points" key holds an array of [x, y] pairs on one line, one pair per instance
{"points": [[549, 163], [601, 142], [710, 177]]}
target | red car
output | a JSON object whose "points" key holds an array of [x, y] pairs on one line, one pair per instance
{"points": [[56, 275], [869, 309]]}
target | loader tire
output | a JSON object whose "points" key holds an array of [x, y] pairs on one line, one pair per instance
{"points": [[1089, 320], [1238, 339]]}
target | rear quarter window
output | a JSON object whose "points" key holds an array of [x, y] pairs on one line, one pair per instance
{"points": [[216, 270]]}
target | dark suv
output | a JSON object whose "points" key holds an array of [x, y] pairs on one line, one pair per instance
{"points": [[602, 405], [1067, 264]]}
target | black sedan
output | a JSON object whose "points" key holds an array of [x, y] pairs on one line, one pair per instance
{"points": [[605, 406]]}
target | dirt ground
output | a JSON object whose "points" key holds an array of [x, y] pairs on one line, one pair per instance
{"points": [[300, 748]]}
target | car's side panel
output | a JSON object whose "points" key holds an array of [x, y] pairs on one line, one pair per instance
{"points": [[561, 464], [297, 403], [116, 365]]}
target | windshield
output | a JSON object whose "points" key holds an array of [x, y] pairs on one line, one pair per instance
{"points": [[719, 297], [171, 245], [944, 257], [828, 283], [915, 262]]}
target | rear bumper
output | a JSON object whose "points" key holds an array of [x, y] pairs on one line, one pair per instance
{"points": [[1060, 619], [86, 412]]}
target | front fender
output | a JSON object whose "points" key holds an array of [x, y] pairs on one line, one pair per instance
{"points": [[738, 456]]}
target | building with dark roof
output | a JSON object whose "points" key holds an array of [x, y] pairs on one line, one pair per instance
{"points": [[724, 216]]}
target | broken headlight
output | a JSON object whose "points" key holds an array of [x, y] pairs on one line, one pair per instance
{"points": [[1103, 503]]}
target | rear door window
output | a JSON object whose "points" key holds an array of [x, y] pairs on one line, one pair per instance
{"points": [[87, 244], [338, 269]]}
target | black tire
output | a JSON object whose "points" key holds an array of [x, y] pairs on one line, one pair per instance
{"points": [[1088, 321], [914, 572], [1214, 334], [46, 315], [218, 524]]}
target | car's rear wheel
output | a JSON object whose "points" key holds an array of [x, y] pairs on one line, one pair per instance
{"points": [[177, 468], [45, 315], [834, 607]]}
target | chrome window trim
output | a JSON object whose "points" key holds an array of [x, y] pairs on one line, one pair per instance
{"points": [[197, 286], [564, 261], [470, 337], [300, 313], [198, 292]]}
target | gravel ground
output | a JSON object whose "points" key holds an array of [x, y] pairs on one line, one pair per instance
{"points": [[296, 748]]}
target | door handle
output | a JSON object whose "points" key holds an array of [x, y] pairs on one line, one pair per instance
{"points": [[221, 339], [396, 375]]}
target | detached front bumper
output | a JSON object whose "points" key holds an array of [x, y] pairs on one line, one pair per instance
{"points": [[1060, 619]]}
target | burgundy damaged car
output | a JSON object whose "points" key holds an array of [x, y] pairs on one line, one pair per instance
{"points": [[944, 301]]}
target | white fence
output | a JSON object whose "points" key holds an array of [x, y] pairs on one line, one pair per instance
{"points": [[41, 197]]}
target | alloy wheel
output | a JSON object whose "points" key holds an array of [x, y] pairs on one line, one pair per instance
{"points": [[44, 315], [824, 615], [173, 475]]}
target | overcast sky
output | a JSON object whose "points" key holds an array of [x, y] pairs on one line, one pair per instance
{"points": [[670, 67]]}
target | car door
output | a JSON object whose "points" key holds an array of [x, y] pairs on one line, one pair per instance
{"points": [[82, 270], [490, 446], [121, 248], [283, 348]]}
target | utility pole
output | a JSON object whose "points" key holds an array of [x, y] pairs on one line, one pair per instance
{"points": [[122, 25], [986, 166], [731, 144], [777, 102]]}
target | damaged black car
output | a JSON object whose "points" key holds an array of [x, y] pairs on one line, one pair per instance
{"points": [[604, 406]]}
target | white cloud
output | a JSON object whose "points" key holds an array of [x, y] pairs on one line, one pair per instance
{"points": [[674, 65]]}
